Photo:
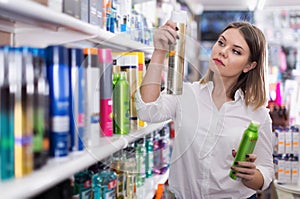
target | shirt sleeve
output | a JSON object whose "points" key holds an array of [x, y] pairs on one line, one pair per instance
{"points": [[264, 151], [164, 108]]}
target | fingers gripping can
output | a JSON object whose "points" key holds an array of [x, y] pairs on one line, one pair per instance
{"points": [[176, 55], [247, 145]]}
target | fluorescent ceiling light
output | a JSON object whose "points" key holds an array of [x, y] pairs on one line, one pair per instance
{"points": [[261, 4], [251, 4]]}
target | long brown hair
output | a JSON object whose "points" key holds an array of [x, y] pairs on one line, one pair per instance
{"points": [[253, 82]]}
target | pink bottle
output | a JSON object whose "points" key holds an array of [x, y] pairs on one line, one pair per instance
{"points": [[105, 63]]}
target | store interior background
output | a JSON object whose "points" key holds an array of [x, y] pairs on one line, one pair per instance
{"points": [[279, 20]]}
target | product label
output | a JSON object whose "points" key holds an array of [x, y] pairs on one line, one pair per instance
{"points": [[85, 194], [150, 163], [295, 146], [288, 142], [110, 195], [112, 184], [106, 117], [80, 120], [60, 124]]}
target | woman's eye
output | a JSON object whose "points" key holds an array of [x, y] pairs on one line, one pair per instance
{"points": [[220, 43], [236, 52]]}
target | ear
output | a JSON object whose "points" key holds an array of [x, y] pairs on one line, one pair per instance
{"points": [[249, 67]]}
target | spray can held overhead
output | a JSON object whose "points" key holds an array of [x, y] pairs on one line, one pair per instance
{"points": [[176, 55]]}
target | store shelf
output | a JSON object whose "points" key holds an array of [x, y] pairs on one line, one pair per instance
{"points": [[58, 169], [37, 25], [147, 191], [289, 188]]}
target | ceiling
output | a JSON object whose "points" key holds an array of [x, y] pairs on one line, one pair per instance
{"points": [[200, 5]]}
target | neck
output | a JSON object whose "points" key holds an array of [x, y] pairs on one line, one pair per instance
{"points": [[222, 87]]}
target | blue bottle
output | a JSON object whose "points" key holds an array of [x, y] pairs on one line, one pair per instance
{"points": [[59, 93], [77, 98], [104, 183]]}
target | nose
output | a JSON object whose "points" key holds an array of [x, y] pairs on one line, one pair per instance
{"points": [[224, 51]]}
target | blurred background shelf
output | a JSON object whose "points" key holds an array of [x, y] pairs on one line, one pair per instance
{"points": [[37, 25], [59, 169]]}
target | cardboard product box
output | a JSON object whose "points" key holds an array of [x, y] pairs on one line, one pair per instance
{"points": [[5, 38], [95, 12], [68, 7], [84, 11], [77, 8], [55, 5]]}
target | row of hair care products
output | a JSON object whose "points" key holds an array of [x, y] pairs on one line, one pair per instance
{"points": [[112, 15], [56, 99], [286, 155], [125, 171]]}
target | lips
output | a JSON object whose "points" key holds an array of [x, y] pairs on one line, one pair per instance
{"points": [[218, 62]]}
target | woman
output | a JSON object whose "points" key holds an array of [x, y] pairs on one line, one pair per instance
{"points": [[211, 115]]}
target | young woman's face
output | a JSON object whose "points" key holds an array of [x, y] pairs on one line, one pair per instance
{"points": [[230, 55]]}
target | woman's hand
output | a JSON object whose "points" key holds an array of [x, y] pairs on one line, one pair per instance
{"points": [[246, 170], [164, 36]]}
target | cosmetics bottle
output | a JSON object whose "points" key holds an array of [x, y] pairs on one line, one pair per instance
{"points": [[6, 116], [23, 112], [121, 101], [59, 94], [77, 99], [140, 162], [149, 155], [92, 94], [130, 65], [40, 109], [106, 92]]}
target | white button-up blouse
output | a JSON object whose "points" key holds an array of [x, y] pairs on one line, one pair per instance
{"points": [[204, 139]]}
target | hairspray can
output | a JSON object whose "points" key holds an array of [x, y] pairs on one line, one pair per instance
{"points": [[59, 93], [140, 74], [176, 55], [76, 98], [130, 65], [23, 112], [92, 95], [247, 144], [105, 64], [121, 99], [40, 108]]}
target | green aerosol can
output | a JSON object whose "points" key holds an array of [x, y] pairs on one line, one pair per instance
{"points": [[247, 145], [121, 98]]}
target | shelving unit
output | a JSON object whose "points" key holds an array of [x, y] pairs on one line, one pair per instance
{"points": [[147, 191], [36, 25], [33, 24], [58, 169]]}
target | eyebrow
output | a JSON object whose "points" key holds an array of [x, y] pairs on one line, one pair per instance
{"points": [[237, 46]]}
